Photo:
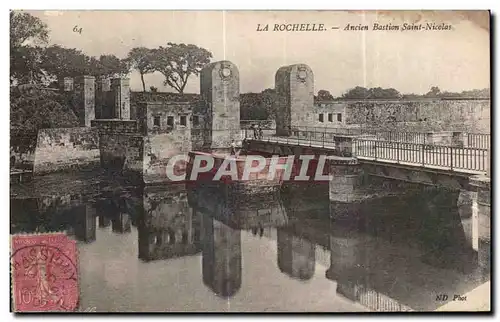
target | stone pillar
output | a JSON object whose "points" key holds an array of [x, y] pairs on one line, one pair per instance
{"points": [[66, 84], [103, 108], [296, 256], [121, 94], [488, 160], [344, 145], [481, 217], [344, 190], [85, 99], [294, 86], [220, 92]]}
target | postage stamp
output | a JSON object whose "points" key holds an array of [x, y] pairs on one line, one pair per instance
{"points": [[44, 273]]}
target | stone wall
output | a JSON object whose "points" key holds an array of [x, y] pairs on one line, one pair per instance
{"points": [[159, 149], [167, 132], [471, 115], [122, 153], [115, 126], [329, 115], [66, 148]]}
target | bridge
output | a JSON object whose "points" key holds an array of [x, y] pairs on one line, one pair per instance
{"points": [[404, 158], [410, 149]]}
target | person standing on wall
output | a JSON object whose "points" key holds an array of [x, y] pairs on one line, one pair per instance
{"points": [[255, 131]]}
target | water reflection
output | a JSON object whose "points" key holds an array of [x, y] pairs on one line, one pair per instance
{"points": [[225, 213], [168, 228], [395, 262], [221, 261], [398, 256]]}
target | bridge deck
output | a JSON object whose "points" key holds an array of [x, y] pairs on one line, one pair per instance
{"points": [[471, 161]]}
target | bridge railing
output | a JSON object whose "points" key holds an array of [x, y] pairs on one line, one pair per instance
{"points": [[470, 140], [309, 138], [478, 140], [450, 157]]}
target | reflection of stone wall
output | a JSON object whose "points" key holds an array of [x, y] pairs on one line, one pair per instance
{"points": [[348, 259], [168, 228], [239, 210]]}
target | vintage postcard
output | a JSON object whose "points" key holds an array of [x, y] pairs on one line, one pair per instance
{"points": [[250, 161]]}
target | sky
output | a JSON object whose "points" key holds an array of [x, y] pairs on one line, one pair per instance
{"points": [[409, 61]]}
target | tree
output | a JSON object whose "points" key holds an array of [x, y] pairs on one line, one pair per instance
{"points": [[62, 62], [141, 58], [33, 108], [110, 66], [26, 65], [357, 92], [179, 61], [25, 31], [324, 95], [379, 92], [434, 92], [258, 106], [26, 28], [372, 93]]}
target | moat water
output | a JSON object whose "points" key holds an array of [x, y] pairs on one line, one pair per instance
{"points": [[175, 248]]}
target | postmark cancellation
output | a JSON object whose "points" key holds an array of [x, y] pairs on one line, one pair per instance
{"points": [[44, 273]]}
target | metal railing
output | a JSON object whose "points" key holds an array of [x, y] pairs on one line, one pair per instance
{"points": [[450, 157], [478, 140], [380, 303], [331, 130], [471, 140], [316, 139]]}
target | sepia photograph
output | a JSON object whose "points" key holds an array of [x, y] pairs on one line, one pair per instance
{"points": [[250, 161]]}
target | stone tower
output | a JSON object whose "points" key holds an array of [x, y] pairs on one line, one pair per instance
{"points": [[121, 104], [84, 95], [220, 93], [295, 97]]}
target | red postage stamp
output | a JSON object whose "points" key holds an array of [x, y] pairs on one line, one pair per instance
{"points": [[44, 273]]}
